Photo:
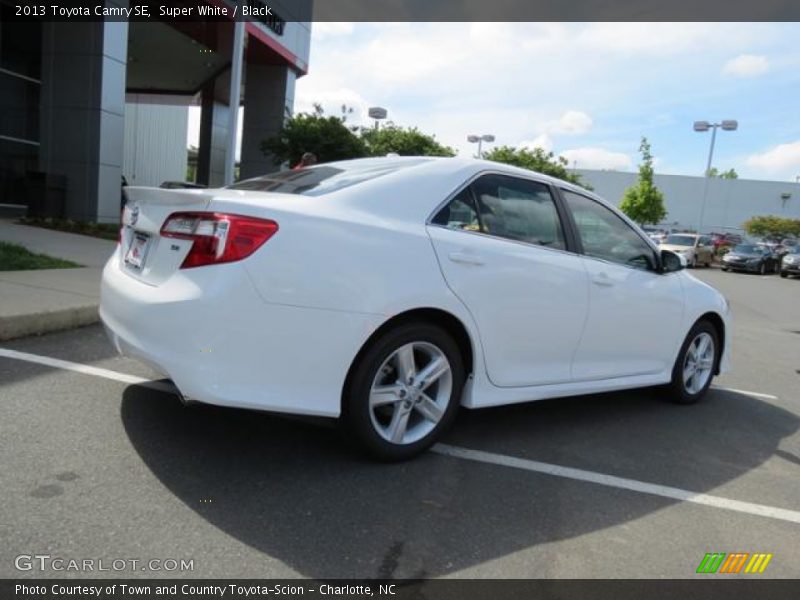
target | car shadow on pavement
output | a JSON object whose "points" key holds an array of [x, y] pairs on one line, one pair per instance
{"points": [[297, 492]]}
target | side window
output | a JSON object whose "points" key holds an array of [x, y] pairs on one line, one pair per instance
{"points": [[604, 235], [459, 213], [518, 209]]}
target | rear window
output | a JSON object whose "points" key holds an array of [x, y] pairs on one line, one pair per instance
{"points": [[322, 179]]}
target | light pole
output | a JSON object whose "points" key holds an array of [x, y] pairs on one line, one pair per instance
{"points": [[479, 139], [377, 113], [701, 127]]}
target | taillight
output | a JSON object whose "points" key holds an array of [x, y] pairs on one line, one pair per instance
{"points": [[218, 237]]}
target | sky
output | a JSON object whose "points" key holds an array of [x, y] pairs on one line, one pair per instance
{"points": [[587, 92]]}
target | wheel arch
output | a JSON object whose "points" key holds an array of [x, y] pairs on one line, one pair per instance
{"points": [[436, 316]]}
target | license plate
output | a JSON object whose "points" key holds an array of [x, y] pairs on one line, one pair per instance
{"points": [[137, 251]]}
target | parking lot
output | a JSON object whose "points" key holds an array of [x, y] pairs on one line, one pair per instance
{"points": [[96, 466]]}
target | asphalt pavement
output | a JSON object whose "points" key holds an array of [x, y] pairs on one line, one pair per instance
{"points": [[95, 466]]}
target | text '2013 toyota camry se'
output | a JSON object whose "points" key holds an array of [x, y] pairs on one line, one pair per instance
{"points": [[387, 292]]}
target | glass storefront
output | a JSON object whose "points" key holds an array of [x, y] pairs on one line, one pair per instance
{"points": [[20, 72]]}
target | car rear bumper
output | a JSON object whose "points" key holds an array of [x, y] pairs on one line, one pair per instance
{"points": [[210, 331]]}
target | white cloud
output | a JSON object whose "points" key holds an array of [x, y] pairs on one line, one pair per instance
{"points": [[746, 65], [543, 141], [597, 158], [325, 29], [650, 38], [571, 122], [782, 160]]}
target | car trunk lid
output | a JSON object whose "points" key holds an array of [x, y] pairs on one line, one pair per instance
{"points": [[146, 255]]}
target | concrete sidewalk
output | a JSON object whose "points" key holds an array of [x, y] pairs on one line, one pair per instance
{"points": [[36, 302]]}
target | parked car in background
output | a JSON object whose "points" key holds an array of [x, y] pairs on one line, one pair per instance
{"points": [[388, 292], [656, 234], [754, 258], [790, 263], [727, 239], [783, 247], [696, 249]]}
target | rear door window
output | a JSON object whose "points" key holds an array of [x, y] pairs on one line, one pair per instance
{"points": [[519, 210], [459, 213]]}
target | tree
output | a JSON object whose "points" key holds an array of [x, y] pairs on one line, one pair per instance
{"points": [[772, 227], [328, 137], [403, 141], [644, 202], [729, 174], [536, 160]]}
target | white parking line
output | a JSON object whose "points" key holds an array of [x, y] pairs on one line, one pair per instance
{"points": [[643, 487], [653, 489], [745, 392], [86, 369]]}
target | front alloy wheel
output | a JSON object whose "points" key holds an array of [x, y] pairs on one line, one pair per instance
{"points": [[698, 363], [695, 365], [404, 391]]}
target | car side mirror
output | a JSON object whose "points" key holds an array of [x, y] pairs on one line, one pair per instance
{"points": [[672, 261]]}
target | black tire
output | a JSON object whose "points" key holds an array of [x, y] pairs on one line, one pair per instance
{"points": [[784, 275], [676, 389], [724, 269], [357, 417]]}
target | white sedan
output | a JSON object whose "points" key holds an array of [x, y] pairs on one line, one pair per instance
{"points": [[388, 292]]}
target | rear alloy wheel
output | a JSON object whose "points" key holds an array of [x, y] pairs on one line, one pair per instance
{"points": [[404, 391], [762, 270], [784, 275], [694, 368]]}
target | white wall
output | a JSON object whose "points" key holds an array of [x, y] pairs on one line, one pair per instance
{"points": [[155, 143], [729, 202]]}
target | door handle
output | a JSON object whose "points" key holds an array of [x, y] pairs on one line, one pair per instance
{"points": [[602, 279], [466, 258]]}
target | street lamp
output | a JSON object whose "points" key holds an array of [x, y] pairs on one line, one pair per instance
{"points": [[479, 139], [377, 113], [701, 127]]}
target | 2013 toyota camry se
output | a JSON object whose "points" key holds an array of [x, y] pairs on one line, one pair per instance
{"points": [[388, 292]]}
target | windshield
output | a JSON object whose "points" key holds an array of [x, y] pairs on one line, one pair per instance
{"points": [[748, 249], [322, 179], [681, 240]]}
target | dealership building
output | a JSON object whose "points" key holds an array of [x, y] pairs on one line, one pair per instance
{"points": [[84, 103], [700, 204]]}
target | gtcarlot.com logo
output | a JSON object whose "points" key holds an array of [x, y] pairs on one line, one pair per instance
{"points": [[734, 562], [45, 562]]}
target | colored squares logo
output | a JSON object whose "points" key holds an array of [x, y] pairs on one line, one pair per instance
{"points": [[734, 563]]}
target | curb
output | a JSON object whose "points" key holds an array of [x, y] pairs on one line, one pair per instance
{"points": [[19, 326]]}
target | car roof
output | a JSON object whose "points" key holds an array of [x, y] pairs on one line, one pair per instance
{"points": [[463, 165]]}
